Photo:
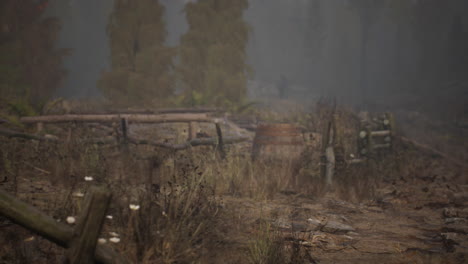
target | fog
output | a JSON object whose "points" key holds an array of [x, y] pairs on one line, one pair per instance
{"points": [[360, 55], [234, 131], [84, 33], [317, 45]]}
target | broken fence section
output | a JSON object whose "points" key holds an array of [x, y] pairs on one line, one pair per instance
{"points": [[81, 241]]}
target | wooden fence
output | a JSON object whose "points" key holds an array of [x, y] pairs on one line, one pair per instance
{"points": [[125, 121]]}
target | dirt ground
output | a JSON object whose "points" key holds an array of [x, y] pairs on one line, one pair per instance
{"points": [[416, 213], [420, 218]]}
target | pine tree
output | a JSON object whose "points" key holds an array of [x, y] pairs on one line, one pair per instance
{"points": [[141, 65], [30, 64], [212, 54]]}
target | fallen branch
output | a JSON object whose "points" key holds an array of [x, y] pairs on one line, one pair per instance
{"points": [[188, 144], [36, 168], [15, 134], [52, 138], [434, 151]]}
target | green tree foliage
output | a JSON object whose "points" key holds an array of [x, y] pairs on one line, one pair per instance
{"points": [[30, 64], [212, 66], [141, 65]]}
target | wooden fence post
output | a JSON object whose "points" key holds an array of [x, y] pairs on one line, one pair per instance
{"points": [[327, 168], [89, 225], [124, 129], [221, 150]]}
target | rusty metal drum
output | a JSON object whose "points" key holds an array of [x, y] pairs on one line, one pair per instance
{"points": [[278, 142]]}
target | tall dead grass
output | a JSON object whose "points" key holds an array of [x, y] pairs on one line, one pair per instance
{"points": [[177, 193]]}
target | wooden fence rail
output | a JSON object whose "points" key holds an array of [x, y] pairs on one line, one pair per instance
{"points": [[110, 118], [80, 241], [191, 118]]}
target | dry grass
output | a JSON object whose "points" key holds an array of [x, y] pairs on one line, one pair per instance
{"points": [[267, 247], [177, 210], [178, 193], [271, 246]]}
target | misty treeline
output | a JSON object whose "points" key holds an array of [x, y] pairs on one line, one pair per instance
{"points": [[349, 50], [30, 64], [141, 66], [364, 51], [208, 67], [427, 56]]}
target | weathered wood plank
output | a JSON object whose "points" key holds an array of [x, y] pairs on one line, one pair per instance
{"points": [[188, 110], [88, 228], [380, 133], [31, 218], [192, 130], [330, 166], [220, 145]]}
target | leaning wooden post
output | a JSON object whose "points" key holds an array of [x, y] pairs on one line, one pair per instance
{"points": [[323, 157], [370, 142], [327, 169], [192, 130], [124, 129], [338, 142], [391, 127], [39, 127], [220, 140], [69, 133], [83, 245]]}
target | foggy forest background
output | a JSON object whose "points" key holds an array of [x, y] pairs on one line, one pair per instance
{"points": [[392, 53]]}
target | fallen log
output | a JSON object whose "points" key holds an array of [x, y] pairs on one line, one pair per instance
{"points": [[132, 118]]}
